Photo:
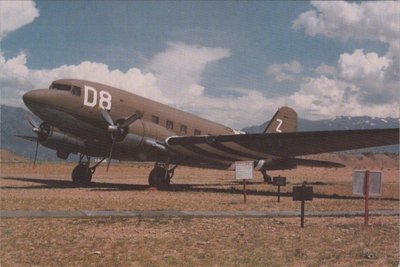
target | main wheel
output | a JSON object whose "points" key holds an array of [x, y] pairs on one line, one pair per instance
{"points": [[81, 175], [159, 177]]}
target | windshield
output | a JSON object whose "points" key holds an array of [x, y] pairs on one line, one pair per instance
{"points": [[75, 90], [62, 87]]}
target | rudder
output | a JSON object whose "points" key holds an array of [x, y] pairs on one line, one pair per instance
{"points": [[284, 121]]}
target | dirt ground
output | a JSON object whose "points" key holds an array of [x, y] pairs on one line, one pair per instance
{"points": [[197, 241]]}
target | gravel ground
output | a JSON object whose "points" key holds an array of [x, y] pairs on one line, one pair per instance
{"points": [[192, 241]]}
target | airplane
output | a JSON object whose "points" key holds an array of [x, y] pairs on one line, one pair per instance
{"points": [[97, 120]]}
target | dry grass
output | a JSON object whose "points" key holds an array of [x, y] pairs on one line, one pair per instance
{"points": [[198, 242], [206, 242]]}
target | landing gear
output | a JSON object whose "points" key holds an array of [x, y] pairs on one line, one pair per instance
{"points": [[82, 173], [266, 177], [161, 176]]}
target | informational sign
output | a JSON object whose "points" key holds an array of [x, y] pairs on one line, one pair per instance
{"points": [[279, 181], [303, 193], [244, 170], [375, 183]]}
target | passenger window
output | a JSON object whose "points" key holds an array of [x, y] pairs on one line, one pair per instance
{"points": [[183, 129], [197, 132], [155, 119], [76, 90], [170, 125]]}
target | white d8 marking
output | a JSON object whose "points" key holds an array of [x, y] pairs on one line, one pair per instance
{"points": [[90, 98], [278, 128]]}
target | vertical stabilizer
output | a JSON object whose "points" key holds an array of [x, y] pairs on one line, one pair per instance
{"points": [[284, 121]]}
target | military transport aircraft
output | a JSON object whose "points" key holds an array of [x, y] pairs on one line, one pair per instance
{"points": [[97, 120]]}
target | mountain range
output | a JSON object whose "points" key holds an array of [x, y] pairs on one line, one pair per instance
{"points": [[13, 123]]}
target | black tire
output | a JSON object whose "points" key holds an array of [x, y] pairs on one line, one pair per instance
{"points": [[82, 175], [158, 178]]}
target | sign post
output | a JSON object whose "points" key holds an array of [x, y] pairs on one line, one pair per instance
{"points": [[367, 183], [244, 171], [279, 181], [302, 193], [366, 190]]}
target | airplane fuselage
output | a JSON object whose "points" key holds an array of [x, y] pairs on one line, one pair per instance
{"points": [[96, 120], [73, 106]]}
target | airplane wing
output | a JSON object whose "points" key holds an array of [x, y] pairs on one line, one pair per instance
{"points": [[287, 145]]}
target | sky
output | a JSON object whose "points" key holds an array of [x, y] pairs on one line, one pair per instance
{"points": [[232, 62]]}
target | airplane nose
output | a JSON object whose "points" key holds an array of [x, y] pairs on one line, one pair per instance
{"points": [[31, 96]]}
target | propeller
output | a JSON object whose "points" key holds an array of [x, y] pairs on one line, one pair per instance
{"points": [[118, 129], [42, 131]]}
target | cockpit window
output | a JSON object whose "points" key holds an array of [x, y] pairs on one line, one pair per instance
{"points": [[61, 87], [76, 90]]}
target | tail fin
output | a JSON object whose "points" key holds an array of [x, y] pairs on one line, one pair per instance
{"points": [[284, 120]]}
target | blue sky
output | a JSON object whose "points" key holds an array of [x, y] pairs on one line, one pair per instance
{"points": [[225, 56]]}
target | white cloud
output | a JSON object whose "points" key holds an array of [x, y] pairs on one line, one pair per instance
{"points": [[179, 71], [326, 98], [365, 21], [326, 70], [374, 80], [15, 14], [285, 73], [179, 68], [375, 74]]}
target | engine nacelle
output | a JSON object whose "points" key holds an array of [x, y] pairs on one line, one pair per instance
{"points": [[130, 143], [59, 140]]}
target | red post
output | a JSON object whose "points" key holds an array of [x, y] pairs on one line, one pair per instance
{"points": [[366, 193], [244, 191]]}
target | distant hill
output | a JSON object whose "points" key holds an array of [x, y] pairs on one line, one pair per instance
{"points": [[7, 156], [13, 123]]}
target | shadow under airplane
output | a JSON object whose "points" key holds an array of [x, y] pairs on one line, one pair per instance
{"points": [[205, 188]]}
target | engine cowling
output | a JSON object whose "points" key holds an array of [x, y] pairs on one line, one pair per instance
{"points": [[58, 140]]}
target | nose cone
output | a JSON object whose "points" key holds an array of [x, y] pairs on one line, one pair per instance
{"points": [[35, 99], [31, 97]]}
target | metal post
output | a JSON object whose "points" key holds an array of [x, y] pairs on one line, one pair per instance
{"points": [[302, 213], [244, 191], [279, 193], [366, 193]]}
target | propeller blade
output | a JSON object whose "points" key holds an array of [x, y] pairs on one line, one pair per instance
{"points": [[36, 153], [31, 121], [131, 120], [29, 138], [106, 117], [109, 156]]}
